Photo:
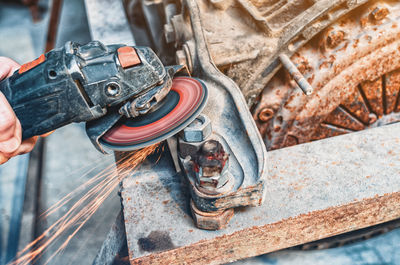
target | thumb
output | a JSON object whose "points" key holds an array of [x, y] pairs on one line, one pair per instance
{"points": [[4, 70], [7, 66]]}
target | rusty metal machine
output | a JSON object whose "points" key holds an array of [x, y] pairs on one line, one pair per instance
{"points": [[281, 75]]}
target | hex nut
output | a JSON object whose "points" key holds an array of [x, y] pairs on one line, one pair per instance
{"points": [[199, 130], [188, 148], [217, 181], [211, 220]]}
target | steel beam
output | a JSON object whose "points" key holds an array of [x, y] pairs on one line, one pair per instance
{"points": [[314, 190]]}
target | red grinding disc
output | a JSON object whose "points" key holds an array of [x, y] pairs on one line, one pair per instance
{"points": [[180, 107]]}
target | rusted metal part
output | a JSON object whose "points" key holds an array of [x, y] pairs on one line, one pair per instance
{"points": [[295, 73], [316, 190], [380, 13], [294, 30], [333, 38], [205, 164], [212, 167], [248, 53], [244, 183], [233, 127], [245, 37], [211, 220], [349, 83]]}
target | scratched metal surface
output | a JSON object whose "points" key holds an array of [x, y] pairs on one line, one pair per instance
{"points": [[302, 179]]}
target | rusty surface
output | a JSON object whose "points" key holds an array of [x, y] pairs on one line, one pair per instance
{"points": [[213, 220], [352, 67], [315, 190], [245, 37], [247, 52], [211, 166]]}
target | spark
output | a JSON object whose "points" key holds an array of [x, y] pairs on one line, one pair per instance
{"points": [[76, 217]]}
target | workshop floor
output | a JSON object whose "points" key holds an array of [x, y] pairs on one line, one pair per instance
{"points": [[69, 154]]}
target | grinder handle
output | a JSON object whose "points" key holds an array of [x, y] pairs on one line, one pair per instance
{"points": [[40, 93], [32, 107]]}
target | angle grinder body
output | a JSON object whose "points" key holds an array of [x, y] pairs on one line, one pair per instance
{"points": [[126, 96]]}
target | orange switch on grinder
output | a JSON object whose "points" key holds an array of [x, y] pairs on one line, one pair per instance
{"points": [[128, 57], [33, 64]]}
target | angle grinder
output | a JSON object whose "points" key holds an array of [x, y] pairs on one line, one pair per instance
{"points": [[126, 96]]}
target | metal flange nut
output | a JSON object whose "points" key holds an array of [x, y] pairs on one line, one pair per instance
{"points": [[211, 220]]}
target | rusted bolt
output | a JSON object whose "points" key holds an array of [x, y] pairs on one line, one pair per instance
{"points": [[265, 114], [379, 13], [334, 38], [295, 74], [199, 130], [211, 220], [212, 166]]}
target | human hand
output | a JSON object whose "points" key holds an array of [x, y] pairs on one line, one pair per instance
{"points": [[10, 127]]}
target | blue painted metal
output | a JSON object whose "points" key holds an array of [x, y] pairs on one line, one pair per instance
{"points": [[17, 207]]}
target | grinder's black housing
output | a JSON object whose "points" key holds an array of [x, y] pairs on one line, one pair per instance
{"points": [[78, 83]]}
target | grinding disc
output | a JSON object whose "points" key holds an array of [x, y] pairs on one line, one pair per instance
{"points": [[180, 107]]}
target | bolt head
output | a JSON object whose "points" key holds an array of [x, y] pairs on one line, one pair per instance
{"points": [[112, 89], [199, 130]]}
